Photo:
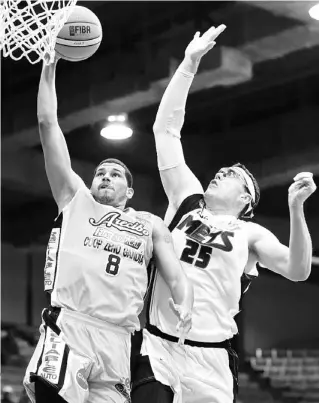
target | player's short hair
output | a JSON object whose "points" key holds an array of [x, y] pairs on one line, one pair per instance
{"points": [[256, 187], [128, 175]]}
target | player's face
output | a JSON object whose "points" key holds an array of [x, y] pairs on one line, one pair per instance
{"points": [[109, 185], [227, 187]]}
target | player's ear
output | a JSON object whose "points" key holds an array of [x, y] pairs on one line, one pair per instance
{"points": [[245, 198], [129, 193]]}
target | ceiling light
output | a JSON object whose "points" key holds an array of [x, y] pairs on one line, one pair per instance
{"points": [[117, 118], [314, 12], [116, 128], [116, 131]]}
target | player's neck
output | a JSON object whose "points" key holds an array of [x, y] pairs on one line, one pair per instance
{"points": [[221, 211], [119, 205], [214, 209]]}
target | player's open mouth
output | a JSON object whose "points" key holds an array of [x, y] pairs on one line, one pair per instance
{"points": [[213, 183], [105, 187]]}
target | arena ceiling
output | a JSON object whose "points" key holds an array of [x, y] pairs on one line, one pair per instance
{"points": [[254, 100]]}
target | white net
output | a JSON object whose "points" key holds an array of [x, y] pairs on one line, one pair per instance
{"points": [[30, 28]]}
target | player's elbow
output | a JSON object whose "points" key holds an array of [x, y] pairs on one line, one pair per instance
{"points": [[47, 119], [298, 274], [157, 128], [303, 275]]}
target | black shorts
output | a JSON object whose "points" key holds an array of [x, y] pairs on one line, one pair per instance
{"points": [[145, 388], [45, 393]]}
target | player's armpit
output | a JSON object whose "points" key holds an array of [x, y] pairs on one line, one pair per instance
{"points": [[179, 183]]}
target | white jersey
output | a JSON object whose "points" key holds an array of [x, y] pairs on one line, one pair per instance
{"points": [[214, 252], [97, 258]]}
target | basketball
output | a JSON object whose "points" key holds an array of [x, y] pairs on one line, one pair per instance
{"points": [[80, 36]]}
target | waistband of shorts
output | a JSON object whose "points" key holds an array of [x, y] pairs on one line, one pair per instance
{"points": [[89, 320], [157, 332]]}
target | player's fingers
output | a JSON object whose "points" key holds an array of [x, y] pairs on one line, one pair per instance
{"points": [[197, 35], [305, 182], [221, 28], [302, 175], [209, 32], [213, 32], [293, 187], [211, 45], [181, 339], [171, 304], [175, 308], [188, 320]]}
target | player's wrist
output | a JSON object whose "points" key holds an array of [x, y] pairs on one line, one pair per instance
{"points": [[296, 207], [190, 65]]}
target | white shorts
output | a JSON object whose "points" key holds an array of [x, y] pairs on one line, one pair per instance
{"points": [[85, 359], [195, 374]]}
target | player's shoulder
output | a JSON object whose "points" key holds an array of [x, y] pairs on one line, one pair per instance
{"points": [[255, 231], [159, 225], [82, 192], [152, 221], [191, 202], [157, 220], [144, 215]]}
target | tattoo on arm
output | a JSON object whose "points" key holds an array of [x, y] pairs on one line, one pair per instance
{"points": [[168, 238]]}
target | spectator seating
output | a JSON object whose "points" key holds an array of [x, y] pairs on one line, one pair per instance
{"points": [[294, 372]]}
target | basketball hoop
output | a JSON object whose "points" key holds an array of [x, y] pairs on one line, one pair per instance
{"points": [[30, 28]]}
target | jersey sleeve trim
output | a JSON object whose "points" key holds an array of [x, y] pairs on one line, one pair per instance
{"points": [[190, 203]]}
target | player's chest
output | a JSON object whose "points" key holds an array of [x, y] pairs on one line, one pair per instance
{"points": [[103, 233], [202, 242]]}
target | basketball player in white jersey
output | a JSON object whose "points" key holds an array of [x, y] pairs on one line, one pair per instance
{"points": [[216, 248], [96, 275]]}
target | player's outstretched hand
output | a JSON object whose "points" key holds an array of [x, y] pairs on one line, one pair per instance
{"points": [[184, 319], [301, 189], [200, 45], [48, 61]]}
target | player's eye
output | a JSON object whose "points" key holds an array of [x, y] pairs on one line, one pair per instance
{"points": [[231, 174]]}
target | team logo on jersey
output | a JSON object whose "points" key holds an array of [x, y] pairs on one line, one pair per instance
{"points": [[206, 235], [113, 219], [80, 378], [124, 388]]}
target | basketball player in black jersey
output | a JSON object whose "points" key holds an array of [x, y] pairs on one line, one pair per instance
{"points": [[216, 249], [95, 274]]}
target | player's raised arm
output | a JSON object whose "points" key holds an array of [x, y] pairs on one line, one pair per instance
{"points": [[178, 180], [64, 182], [172, 272], [294, 262]]}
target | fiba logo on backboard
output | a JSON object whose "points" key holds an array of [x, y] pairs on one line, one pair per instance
{"points": [[75, 30]]}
